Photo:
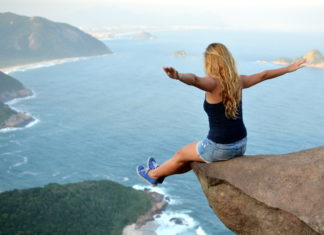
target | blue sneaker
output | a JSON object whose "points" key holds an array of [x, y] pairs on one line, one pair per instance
{"points": [[152, 164], [143, 173]]}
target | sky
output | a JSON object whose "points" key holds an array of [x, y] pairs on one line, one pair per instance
{"points": [[297, 15]]}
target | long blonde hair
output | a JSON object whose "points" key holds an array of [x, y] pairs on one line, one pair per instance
{"points": [[220, 64]]}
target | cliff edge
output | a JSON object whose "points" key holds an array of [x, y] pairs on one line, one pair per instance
{"points": [[267, 194]]}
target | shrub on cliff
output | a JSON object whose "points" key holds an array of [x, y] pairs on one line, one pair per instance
{"points": [[5, 112]]}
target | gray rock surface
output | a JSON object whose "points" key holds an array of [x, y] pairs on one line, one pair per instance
{"points": [[267, 194], [17, 120]]}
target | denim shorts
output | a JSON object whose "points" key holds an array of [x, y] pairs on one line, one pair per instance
{"points": [[210, 151]]}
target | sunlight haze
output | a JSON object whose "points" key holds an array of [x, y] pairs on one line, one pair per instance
{"points": [[251, 14]]}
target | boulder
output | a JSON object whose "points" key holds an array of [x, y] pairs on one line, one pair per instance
{"points": [[267, 194]]}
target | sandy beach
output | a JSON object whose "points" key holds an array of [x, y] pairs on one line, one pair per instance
{"points": [[45, 63]]}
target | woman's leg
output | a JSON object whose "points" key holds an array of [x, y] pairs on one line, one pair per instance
{"points": [[179, 163]]}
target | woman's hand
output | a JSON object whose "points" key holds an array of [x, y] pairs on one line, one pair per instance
{"points": [[296, 65], [171, 72]]}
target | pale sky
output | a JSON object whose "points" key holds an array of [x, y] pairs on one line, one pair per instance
{"points": [[231, 14]]}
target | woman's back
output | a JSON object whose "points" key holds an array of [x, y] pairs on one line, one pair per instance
{"points": [[222, 129]]}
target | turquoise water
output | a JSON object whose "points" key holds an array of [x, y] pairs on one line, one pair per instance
{"points": [[102, 116]]}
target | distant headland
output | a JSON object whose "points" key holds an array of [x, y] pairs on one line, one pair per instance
{"points": [[10, 89], [314, 58], [144, 36], [26, 40]]}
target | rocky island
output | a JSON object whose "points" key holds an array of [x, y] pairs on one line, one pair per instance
{"points": [[26, 40], [267, 194], [143, 36], [10, 88], [180, 53], [314, 58]]}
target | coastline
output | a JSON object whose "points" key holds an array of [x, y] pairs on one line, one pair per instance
{"points": [[145, 224], [21, 119], [45, 63]]}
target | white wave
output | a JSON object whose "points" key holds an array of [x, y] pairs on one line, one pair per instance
{"points": [[17, 100], [56, 173], [49, 63], [177, 222], [166, 220], [23, 162], [11, 153], [66, 177], [23, 68], [200, 231], [125, 179], [10, 129], [29, 173]]}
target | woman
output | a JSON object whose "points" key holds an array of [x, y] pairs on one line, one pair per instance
{"points": [[223, 104]]}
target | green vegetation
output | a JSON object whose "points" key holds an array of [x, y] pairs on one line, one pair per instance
{"points": [[89, 207], [5, 113], [33, 39], [8, 83]]}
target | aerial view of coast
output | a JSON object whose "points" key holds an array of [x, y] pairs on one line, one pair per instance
{"points": [[161, 117]]}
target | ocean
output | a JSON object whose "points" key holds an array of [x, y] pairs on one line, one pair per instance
{"points": [[100, 117]]}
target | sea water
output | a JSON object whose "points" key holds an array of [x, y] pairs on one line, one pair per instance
{"points": [[98, 118]]}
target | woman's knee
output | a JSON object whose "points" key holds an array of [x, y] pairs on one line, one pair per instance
{"points": [[187, 153], [183, 155]]}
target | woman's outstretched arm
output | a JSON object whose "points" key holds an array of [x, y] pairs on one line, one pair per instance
{"points": [[203, 83], [251, 80]]}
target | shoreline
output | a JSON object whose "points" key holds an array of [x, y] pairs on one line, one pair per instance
{"points": [[45, 63], [21, 119], [145, 224]]}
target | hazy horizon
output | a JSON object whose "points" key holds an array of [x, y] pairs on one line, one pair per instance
{"points": [[234, 14]]}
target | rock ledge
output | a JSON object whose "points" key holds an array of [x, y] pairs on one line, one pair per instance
{"points": [[267, 194]]}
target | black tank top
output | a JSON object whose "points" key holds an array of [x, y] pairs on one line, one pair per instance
{"points": [[223, 130]]}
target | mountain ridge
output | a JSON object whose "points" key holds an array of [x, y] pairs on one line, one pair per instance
{"points": [[35, 39]]}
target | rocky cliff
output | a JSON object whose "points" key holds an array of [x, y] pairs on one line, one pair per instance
{"points": [[267, 194], [11, 88]]}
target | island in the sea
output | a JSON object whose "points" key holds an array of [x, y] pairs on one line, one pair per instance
{"points": [[144, 36], [88, 207], [314, 58], [26, 40], [11, 88], [180, 53]]}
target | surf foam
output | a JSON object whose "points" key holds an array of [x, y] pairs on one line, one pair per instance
{"points": [[173, 222]]}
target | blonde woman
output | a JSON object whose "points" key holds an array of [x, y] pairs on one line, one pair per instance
{"points": [[227, 135]]}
